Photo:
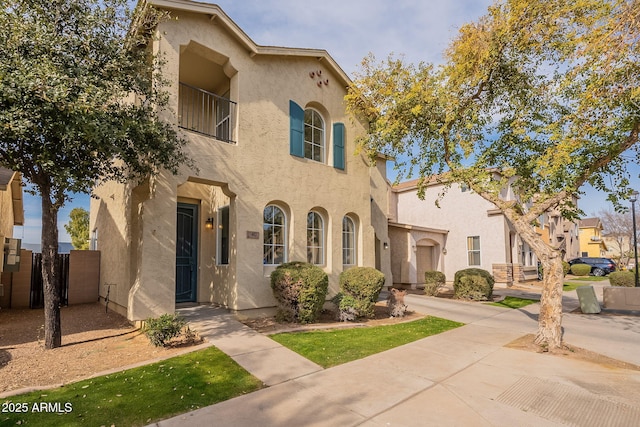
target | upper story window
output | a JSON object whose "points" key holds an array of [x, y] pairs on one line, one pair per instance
{"points": [[308, 136], [315, 238], [348, 241], [274, 235], [313, 136]]}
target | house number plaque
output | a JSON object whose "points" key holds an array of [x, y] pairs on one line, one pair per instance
{"points": [[253, 234]]}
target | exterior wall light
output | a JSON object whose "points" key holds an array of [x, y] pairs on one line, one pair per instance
{"points": [[209, 224]]}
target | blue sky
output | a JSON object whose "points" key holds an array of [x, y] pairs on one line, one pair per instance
{"points": [[348, 30]]}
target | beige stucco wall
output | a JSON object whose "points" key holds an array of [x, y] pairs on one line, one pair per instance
{"points": [[6, 213], [6, 221], [11, 211], [139, 231]]}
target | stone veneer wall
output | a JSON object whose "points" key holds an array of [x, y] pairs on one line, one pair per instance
{"points": [[503, 273]]}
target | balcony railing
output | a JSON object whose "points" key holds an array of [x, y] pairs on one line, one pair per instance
{"points": [[206, 113]]}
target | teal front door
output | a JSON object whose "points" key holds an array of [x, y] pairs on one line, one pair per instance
{"points": [[187, 253]]}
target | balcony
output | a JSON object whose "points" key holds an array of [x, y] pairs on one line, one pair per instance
{"points": [[206, 113]]}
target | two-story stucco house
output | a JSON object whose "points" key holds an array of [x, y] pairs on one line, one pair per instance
{"points": [[592, 243], [463, 231], [278, 179]]}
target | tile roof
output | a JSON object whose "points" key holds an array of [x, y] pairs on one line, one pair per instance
{"points": [[589, 223], [5, 177]]}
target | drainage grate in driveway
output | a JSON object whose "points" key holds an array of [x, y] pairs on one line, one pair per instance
{"points": [[570, 405]]}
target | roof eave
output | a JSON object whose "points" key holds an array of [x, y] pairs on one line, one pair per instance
{"points": [[217, 14]]}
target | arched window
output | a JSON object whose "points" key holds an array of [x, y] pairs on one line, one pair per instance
{"points": [[274, 234], [315, 238], [313, 136], [348, 241]]}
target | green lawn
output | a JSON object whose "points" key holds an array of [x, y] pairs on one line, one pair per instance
{"points": [[334, 347], [514, 302], [571, 286], [143, 395], [591, 279], [137, 396]]}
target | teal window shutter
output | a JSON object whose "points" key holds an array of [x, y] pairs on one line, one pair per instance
{"points": [[338, 146], [296, 136]]}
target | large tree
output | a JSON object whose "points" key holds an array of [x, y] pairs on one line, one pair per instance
{"points": [[66, 69], [618, 227], [78, 228], [539, 96]]}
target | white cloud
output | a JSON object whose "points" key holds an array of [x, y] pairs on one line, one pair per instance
{"points": [[350, 29]]}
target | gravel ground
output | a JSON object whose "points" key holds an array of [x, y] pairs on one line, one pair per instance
{"points": [[92, 341]]}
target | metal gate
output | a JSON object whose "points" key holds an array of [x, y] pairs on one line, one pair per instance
{"points": [[37, 289]]}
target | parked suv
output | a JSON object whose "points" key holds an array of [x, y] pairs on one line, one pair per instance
{"points": [[599, 266]]}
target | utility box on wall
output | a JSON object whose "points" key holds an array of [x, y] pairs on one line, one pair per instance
{"points": [[11, 258]]}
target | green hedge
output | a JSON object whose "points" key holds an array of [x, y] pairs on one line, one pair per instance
{"points": [[566, 267], [622, 278], [359, 291], [432, 281], [580, 269], [300, 289], [473, 283]]}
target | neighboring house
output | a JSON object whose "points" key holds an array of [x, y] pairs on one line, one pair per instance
{"points": [[11, 214], [619, 248], [561, 233], [278, 177], [464, 231], [592, 243]]}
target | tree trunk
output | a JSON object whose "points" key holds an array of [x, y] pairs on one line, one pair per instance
{"points": [[50, 273], [549, 334]]}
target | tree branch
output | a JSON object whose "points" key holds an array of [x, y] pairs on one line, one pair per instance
{"points": [[629, 142]]}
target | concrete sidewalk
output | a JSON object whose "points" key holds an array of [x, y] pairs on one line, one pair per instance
{"points": [[267, 360], [462, 377]]}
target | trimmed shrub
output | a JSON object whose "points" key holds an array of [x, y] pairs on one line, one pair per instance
{"points": [[566, 267], [432, 281], [473, 283], [580, 269], [359, 290], [622, 278], [161, 330], [347, 307], [300, 289]]}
